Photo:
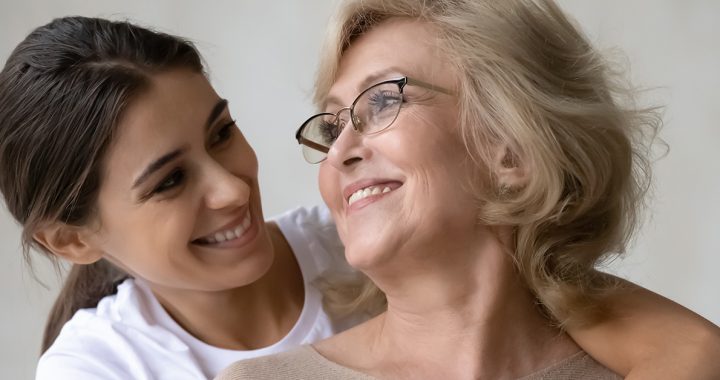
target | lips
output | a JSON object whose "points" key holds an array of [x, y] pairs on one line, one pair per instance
{"points": [[367, 188], [232, 231]]}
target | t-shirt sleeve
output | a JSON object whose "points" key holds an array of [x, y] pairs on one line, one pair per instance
{"points": [[70, 366], [93, 348]]}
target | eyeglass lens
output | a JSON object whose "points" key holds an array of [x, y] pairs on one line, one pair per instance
{"points": [[373, 111]]}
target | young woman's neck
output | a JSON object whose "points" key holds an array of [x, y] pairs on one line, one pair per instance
{"points": [[468, 315], [245, 318]]}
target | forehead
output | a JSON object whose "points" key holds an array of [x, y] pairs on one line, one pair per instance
{"points": [[394, 48], [174, 97], [168, 114]]}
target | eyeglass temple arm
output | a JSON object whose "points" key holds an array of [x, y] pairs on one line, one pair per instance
{"points": [[312, 144], [429, 86]]}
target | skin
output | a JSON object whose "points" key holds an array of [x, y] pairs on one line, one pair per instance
{"points": [[209, 184], [456, 308], [630, 344], [151, 233]]}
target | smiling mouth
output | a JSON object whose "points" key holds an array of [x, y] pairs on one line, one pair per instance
{"points": [[369, 192], [229, 234]]}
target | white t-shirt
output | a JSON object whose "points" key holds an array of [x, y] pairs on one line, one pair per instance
{"points": [[130, 336]]}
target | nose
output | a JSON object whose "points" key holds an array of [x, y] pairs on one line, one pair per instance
{"points": [[225, 189], [349, 148]]}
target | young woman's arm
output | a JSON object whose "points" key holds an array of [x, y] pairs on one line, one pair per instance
{"points": [[651, 337]]}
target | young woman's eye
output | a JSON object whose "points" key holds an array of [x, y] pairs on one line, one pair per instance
{"points": [[173, 180], [222, 134]]}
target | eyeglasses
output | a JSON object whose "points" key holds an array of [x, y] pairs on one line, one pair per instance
{"points": [[373, 111]]}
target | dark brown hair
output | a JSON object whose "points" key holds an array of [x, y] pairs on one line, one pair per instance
{"points": [[62, 92]]}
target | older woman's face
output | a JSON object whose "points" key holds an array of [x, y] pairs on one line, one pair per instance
{"points": [[420, 158]]}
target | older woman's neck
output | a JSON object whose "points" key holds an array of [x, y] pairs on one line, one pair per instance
{"points": [[469, 311]]}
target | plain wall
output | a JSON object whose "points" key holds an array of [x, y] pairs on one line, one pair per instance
{"points": [[262, 57]]}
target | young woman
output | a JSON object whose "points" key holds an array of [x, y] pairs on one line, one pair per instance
{"points": [[117, 155]]}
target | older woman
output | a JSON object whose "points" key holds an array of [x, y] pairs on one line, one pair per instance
{"points": [[488, 166]]}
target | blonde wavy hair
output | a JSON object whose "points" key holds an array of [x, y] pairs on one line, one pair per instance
{"points": [[529, 79]]}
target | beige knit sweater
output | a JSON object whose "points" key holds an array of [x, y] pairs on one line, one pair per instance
{"points": [[305, 363]]}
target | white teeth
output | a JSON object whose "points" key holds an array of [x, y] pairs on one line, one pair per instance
{"points": [[232, 233], [366, 192]]}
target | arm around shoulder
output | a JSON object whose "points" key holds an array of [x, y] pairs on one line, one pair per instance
{"points": [[651, 337]]}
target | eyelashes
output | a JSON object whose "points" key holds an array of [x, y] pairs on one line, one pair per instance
{"points": [[222, 134], [178, 176], [173, 180]]}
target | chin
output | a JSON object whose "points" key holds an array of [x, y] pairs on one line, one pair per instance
{"points": [[261, 263], [240, 277], [251, 270], [365, 258]]}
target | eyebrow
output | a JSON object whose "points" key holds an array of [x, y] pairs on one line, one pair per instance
{"points": [[156, 165], [369, 80], [216, 111]]}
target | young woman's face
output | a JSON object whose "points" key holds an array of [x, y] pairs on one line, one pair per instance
{"points": [[179, 203]]}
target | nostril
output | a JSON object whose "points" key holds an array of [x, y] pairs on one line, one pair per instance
{"points": [[351, 161]]}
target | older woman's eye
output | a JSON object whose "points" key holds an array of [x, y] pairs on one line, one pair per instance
{"points": [[384, 100], [329, 132], [222, 134]]}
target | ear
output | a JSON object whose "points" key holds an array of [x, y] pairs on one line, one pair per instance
{"points": [[510, 171], [71, 243]]}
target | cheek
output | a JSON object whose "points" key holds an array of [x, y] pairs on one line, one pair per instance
{"points": [[165, 225], [247, 156], [327, 184], [154, 245], [249, 162]]}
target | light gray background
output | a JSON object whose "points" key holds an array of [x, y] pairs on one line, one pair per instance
{"points": [[262, 56]]}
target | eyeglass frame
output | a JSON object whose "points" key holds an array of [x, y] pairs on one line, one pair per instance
{"points": [[400, 82]]}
